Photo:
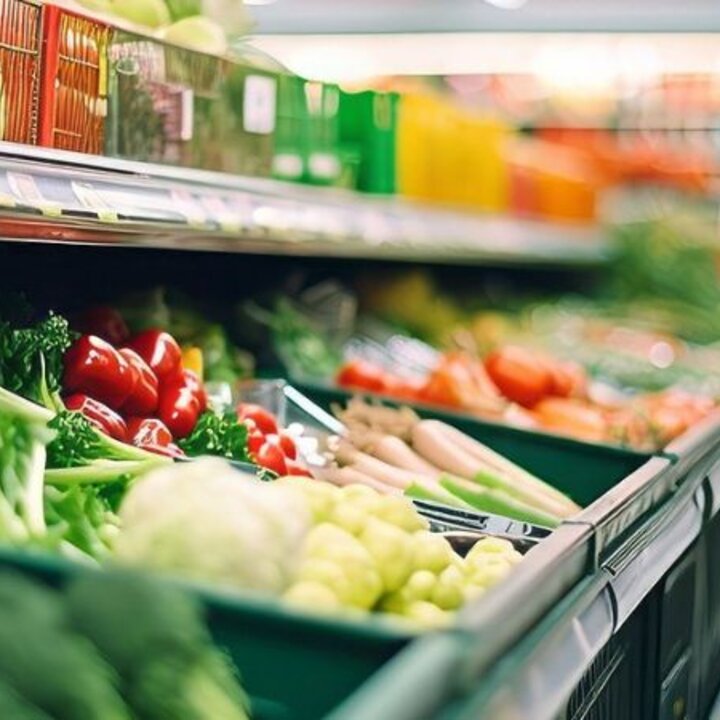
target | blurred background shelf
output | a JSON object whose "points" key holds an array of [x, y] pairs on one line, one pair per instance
{"points": [[67, 197]]}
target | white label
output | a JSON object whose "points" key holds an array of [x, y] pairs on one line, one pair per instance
{"points": [[26, 190], [287, 165], [91, 199], [259, 105], [189, 207], [187, 114], [324, 165]]}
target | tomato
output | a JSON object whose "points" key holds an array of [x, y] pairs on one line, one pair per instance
{"points": [[288, 445], [255, 441], [440, 389], [362, 375], [192, 381], [568, 378], [264, 420], [521, 375], [143, 399], [271, 457], [297, 469], [571, 417], [178, 409], [160, 351]]}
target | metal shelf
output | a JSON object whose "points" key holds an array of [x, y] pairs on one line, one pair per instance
{"points": [[66, 197]]}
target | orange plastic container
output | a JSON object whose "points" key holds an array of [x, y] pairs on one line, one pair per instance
{"points": [[74, 81], [20, 43]]}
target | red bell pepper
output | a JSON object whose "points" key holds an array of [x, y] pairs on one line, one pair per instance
{"points": [[99, 415], [170, 450], [105, 322], [96, 368], [143, 399], [192, 381], [178, 408], [160, 351], [148, 431]]}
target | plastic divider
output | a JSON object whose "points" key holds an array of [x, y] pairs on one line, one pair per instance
{"points": [[418, 683], [613, 515], [535, 680], [643, 561]]}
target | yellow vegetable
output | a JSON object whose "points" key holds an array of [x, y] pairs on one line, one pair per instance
{"points": [[192, 359]]}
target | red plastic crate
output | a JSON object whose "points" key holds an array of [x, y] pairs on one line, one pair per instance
{"points": [[74, 81], [20, 42]]}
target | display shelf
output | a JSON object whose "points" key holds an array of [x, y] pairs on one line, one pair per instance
{"points": [[60, 196]]}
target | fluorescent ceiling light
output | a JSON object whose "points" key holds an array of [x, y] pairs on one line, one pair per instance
{"points": [[564, 59]]}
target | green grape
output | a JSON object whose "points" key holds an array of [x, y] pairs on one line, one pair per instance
{"points": [[427, 615], [349, 517], [328, 573]]}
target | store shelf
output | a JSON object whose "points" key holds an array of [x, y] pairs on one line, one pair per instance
{"points": [[66, 197]]}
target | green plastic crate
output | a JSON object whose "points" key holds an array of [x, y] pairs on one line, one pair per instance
{"points": [[294, 665]]}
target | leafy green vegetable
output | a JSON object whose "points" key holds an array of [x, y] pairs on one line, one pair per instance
{"points": [[31, 359], [14, 706], [168, 665], [49, 666], [220, 435], [82, 517], [22, 462], [78, 443], [180, 9]]}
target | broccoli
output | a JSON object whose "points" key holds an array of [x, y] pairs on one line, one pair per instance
{"points": [[168, 666], [31, 359], [220, 435]]}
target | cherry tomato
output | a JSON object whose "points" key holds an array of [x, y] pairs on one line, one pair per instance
{"points": [[363, 375], [521, 375], [255, 441], [293, 467], [271, 457], [264, 420], [288, 445], [148, 431]]}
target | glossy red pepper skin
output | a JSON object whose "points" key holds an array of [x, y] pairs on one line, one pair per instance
{"points": [[170, 450], [96, 368], [148, 431], [101, 416], [143, 399], [178, 408], [160, 351], [105, 322], [192, 381]]}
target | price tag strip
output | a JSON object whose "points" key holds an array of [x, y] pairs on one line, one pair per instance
{"points": [[26, 190], [91, 199]]}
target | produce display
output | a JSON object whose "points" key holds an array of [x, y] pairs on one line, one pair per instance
{"points": [[394, 451], [323, 548], [546, 378], [64, 658]]}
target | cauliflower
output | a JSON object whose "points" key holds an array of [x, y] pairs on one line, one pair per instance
{"points": [[204, 520]]}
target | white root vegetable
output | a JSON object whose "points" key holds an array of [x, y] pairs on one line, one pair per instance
{"points": [[394, 451], [503, 465], [351, 476], [436, 447], [368, 465]]}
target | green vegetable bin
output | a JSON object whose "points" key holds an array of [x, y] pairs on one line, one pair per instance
{"points": [[295, 666], [174, 105]]}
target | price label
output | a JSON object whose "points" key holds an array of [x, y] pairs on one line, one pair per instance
{"points": [[92, 200], [259, 104], [218, 211], [25, 189], [187, 205]]}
